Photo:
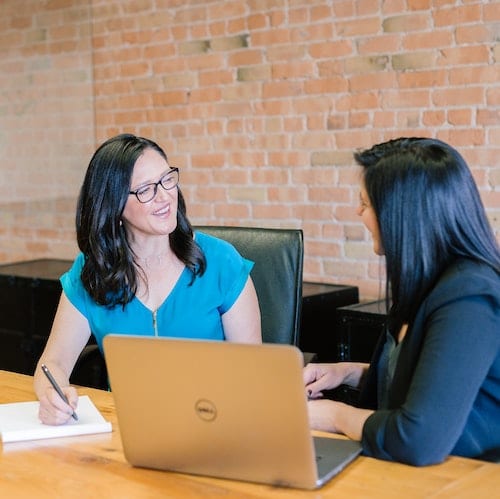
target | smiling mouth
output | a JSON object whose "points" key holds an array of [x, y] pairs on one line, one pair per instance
{"points": [[162, 211]]}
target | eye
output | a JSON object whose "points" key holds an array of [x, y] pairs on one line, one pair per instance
{"points": [[168, 180], [144, 190]]}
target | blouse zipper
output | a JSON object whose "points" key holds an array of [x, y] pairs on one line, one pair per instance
{"points": [[155, 324]]}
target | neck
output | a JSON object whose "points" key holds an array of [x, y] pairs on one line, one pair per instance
{"points": [[154, 256]]}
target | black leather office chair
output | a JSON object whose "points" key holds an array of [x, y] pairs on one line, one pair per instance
{"points": [[277, 275], [90, 368]]}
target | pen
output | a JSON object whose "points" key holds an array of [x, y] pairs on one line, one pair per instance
{"points": [[57, 388]]}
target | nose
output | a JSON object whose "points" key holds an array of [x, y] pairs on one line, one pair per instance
{"points": [[162, 194]]}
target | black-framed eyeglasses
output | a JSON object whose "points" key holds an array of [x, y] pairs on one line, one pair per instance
{"points": [[147, 192]]}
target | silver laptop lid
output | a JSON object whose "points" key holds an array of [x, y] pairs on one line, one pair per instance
{"points": [[213, 408]]}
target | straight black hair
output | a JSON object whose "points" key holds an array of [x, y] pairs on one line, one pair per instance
{"points": [[429, 213]]}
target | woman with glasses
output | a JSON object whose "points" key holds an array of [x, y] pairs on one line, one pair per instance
{"points": [[433, 385], [141, 269]]}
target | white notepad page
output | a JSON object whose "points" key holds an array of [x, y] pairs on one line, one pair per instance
{"points": [[19, 421]]}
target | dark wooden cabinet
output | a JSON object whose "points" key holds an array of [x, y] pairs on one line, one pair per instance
{"points": [[318, 329], [357, 330], [29, 294], [359, 327]]}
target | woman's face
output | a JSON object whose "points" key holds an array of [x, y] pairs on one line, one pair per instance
{"points": [[158, 216], [367, 214]]}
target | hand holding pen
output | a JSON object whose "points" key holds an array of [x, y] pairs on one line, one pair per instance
{"points": [[57, 388]]}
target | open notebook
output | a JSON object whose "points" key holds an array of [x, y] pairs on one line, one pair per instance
{"points": [[220, 409], [19, 421]]}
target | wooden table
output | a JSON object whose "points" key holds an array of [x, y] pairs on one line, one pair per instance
{"points": [[94, 466]]}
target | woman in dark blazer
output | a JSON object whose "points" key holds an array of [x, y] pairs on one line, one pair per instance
{"points": [[433, 385]]}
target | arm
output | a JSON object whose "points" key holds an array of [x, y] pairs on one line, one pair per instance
{"points": [[337, 417], [70, 333], [242, 321], [438, 382]]}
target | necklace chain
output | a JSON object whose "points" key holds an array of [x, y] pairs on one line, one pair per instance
{"points": [[154, 261]]}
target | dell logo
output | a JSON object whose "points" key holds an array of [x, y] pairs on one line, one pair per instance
{"points": [[205, 409]]}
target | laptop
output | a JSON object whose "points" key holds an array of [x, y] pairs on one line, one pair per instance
{"points": [[219, 409]]}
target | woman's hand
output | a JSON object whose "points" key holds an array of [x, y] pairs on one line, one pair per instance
{"points": [[53, 410], [319, 377]]}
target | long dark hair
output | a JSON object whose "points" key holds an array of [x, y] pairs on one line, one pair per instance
{"points": [[429, 213], [109, 272]]}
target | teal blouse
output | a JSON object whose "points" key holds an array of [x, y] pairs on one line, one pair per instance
{"points": [[189, 311]]}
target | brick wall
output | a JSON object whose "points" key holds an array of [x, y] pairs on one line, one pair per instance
{"points": [[37, 229], [259, 102]]}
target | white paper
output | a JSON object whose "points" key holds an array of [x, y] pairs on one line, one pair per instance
{"points": [[19, 421]]}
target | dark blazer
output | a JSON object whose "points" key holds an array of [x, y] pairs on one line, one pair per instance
{"points": [[445, 394]]}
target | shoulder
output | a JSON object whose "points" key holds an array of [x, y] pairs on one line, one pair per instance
{"points": [[71, 281], [472, 274], [213, 245], [467, 278], [75, 270], [223, 252]]}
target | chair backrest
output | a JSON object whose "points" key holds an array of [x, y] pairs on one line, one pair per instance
{"points": [[278, 255]]}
